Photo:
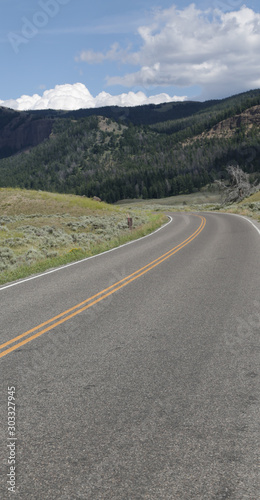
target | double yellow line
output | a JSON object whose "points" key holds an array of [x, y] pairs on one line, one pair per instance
{"points": [[91, 301]]}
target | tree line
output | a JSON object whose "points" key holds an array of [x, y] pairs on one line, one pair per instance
{"points": [[117, 160]]}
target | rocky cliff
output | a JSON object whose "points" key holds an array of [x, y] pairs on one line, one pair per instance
{"points": [[227, 128]]}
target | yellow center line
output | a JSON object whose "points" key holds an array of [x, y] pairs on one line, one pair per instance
{"points": [[98, 294], [102, 295]]}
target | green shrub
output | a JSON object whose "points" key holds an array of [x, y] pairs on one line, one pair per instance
{"points": [[7, 258], [33, 255]]}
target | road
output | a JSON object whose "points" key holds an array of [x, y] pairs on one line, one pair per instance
{"points": [[136, 372]]}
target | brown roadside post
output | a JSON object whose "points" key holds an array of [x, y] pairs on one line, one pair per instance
{"points": [[130, 222]]}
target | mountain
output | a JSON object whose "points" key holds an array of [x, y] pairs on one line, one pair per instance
{"points": [[19, 131], [146, 151]]}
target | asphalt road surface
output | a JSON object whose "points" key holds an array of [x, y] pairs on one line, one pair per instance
{"points": [[135, 374]]}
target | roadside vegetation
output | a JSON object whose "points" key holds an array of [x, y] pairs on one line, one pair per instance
{"points": [[249, 207], [209, 199], [40, 230]]}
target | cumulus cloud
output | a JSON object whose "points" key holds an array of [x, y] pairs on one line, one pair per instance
{"points": [[77, 96], [216, 50]]}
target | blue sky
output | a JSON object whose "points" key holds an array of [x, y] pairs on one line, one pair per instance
{"points": [[78, 53]]}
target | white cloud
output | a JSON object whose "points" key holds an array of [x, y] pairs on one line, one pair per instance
{"points": [[77, 96], [218, 51], [113, 54]]}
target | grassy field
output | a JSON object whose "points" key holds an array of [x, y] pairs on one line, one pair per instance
{"points": [[205, 196], [205, 200], [254, 198], [40, 230]]}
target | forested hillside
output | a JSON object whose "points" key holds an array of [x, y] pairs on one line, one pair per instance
{"points": [[148, 151]]}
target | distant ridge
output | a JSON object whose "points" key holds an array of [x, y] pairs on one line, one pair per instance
{"points": [[115, 152]]}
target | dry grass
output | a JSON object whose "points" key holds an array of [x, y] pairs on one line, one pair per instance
{"points": [[205, 196], [39, 230], [21, 201], [253, 198]]}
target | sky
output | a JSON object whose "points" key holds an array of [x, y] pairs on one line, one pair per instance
{"points": [[71, 54]]}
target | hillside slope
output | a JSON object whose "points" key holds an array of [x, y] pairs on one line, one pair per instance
{"points": [[19, 131], [116, 159], [41, 230], [245, 121]]}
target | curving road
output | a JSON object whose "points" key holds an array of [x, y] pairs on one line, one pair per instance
{"points": [[136, 372]]}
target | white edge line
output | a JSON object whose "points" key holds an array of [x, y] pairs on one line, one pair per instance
{"points": [[248, 220], [83, 260]]}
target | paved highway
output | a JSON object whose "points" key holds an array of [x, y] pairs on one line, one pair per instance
{"points": [[135, 374]]}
